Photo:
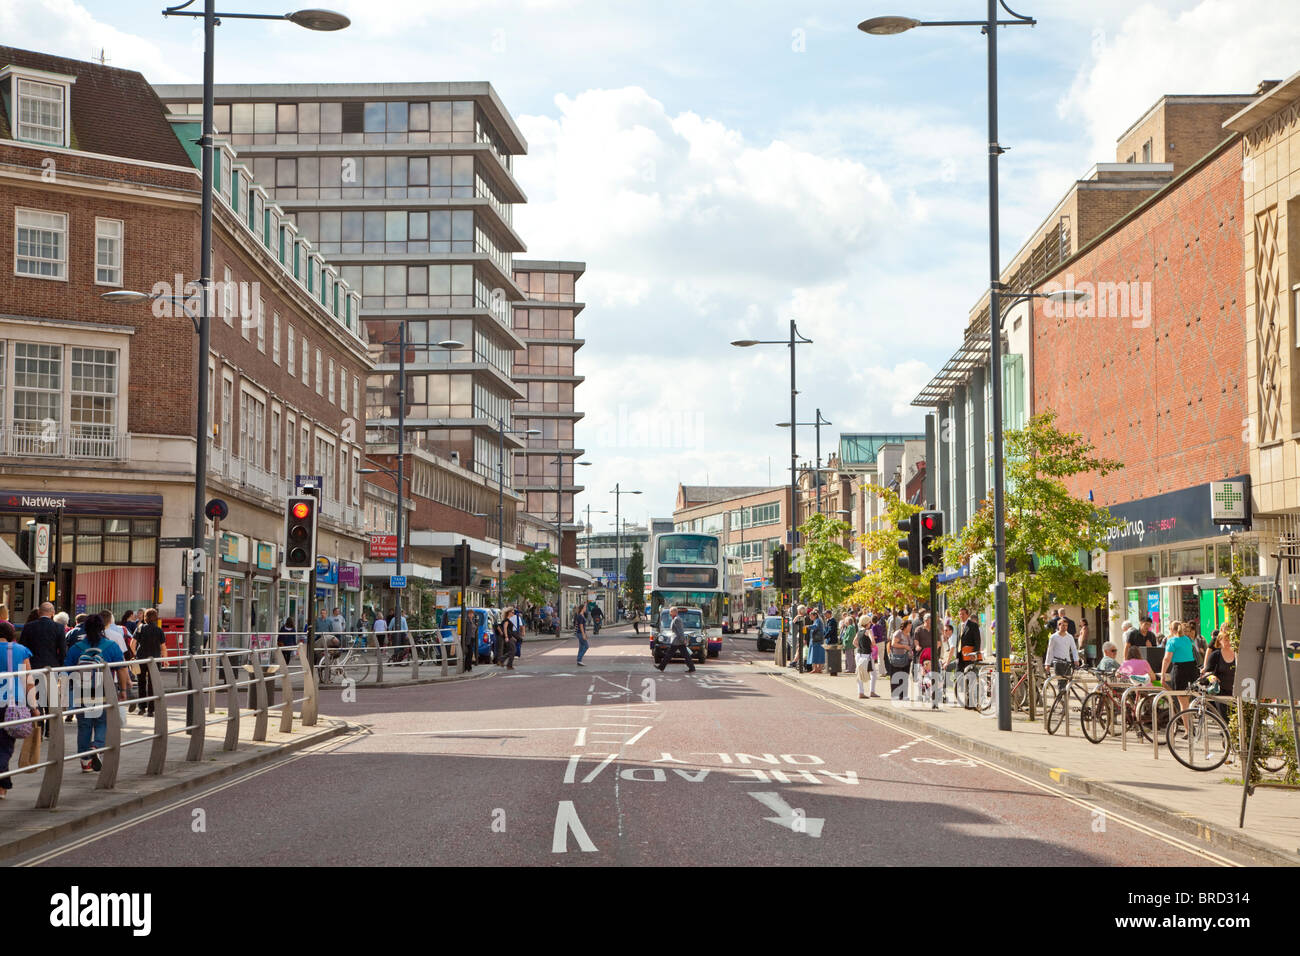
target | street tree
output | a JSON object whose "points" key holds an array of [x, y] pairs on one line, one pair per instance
{"points": [[1048, 532], [534, 579], [634, 587], [885, 584], [825, 567]]}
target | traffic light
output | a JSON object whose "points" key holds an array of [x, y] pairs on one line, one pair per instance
{"points": [[931, 531], [300, 533], [780, 569], [910, 559], [456, 570]]}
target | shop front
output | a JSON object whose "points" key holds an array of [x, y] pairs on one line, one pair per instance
{"points": [[103, 550], [1166, 546], [349, 592]]}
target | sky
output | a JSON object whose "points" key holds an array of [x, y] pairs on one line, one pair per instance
{"points": [[727, 166]]}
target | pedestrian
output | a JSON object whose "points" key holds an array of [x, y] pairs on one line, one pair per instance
{"points": [[378, 627], [46, 640], [499, 641], [866, 650], [395, 630], [337, 624], [922, 644], [1142, 637], [949, 661], [287, 639], [507, 659], [516, 632], [678, 643], [129, 623], [15, 699], [1087, 649], [898, 659], [149, 642], [831, 642], [115, 633], [1109, 662], [968, 654], [61, 619], [1062, 654], [1221, 662], [848, 633], [91, 699], [816, 659], [580, 632]]}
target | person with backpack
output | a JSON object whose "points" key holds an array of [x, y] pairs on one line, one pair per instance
{"points": [[90, 698]]}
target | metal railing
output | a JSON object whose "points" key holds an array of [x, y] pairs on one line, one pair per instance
{"points": [[82, 691], [91, 443]]}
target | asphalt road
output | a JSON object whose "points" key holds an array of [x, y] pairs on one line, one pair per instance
{"points": [[616, 763]]}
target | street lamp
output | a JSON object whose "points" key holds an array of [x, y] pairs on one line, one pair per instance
{"points": [[796, 338], [587, 549], [618, 542], [888, 26], [817, 424], [558, 461]]}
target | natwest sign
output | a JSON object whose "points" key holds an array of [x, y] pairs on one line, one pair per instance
{"points": [[78, 502], [383, 546]]}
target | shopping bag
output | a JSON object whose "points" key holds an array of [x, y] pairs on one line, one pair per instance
{"points": [[31, 752]]}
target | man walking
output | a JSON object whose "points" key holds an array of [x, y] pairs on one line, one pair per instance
{"points": [[679, 641], [580, 632], [45, 638]]}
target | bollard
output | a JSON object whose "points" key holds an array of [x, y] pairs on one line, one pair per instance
{"points": [[232, 703], [286, 699], [158, 750], [112, 756], [309, 689], [260, 697], [379, 657], [52, 780], [415, 657], [199, 728]]}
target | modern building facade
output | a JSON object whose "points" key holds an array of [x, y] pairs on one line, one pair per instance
{"points": [[545, 320], [753, 522], [98, 192]]}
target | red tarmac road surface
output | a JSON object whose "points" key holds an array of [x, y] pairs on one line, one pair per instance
{"points": [[616, 763]]}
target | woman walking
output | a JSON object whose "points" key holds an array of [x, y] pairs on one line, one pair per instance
{"points": [[15, 692], [848, 631], [149, 642], [1222, 663], [580, 632], [898, 659], [866, 652]]}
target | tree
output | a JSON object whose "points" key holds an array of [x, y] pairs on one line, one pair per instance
{"points": [[885, 584], [534, 579], [634, 587], [1047, 529], [825, 566]]}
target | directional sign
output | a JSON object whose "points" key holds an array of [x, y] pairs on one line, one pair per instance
{"points": [[788, 817], [397, 581]]}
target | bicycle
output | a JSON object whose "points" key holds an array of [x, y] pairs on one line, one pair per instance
{"points": [[1094, 720], [1103, 702], [1198, 736], [344, 663], [980, 679]]}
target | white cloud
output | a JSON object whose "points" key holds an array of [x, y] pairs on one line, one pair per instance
{"points": [[1212, 46], [66, 28]]}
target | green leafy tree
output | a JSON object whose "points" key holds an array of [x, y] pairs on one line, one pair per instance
{"points": [[825, 567], [1047, 529], [885, 584], [534, 579], [634, 587]]}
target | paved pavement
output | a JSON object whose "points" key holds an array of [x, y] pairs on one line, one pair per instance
{"points": [[618, 763], [1141, 780]]}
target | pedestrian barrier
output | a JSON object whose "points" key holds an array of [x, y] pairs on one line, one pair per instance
{"points": [[82, 691]]}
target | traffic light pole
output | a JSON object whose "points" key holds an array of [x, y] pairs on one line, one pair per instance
{"points": [[311, 587]]}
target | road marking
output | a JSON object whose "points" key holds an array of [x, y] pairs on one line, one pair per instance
{"points": [[325, 746], [786, 816], [582, 737], [900, 749], [566, 820], [640, 733], [473, 730], [599, 767], [1029, 781]]}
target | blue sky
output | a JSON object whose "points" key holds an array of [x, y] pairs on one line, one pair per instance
{"points": [[724, 166]]}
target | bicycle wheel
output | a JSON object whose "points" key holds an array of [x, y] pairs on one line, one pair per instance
{"points": [[1056, 713], [1020, 694], [354, 668], [960, 686], [1097, 715], [987, 686], [1161, 718], [1199, 738]]}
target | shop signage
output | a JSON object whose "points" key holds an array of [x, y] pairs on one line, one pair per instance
{"points": [[79, 503], [1170, 518], [1229, 502], [265, 555], [327, 571], [349, 575], [173, 543], [229, 548], [397, 581], [302, 481], [80, 604], [383, 546]]}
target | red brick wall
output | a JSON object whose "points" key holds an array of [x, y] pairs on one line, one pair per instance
{"points": [[1167, 399]]}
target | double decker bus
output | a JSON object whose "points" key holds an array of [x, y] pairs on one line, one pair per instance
{"points": [[688, 569]]}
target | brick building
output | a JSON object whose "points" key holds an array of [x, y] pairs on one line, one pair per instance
{"points": [[98, 192]]}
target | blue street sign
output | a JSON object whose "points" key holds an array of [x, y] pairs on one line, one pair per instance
{"points": [[397, 580]]}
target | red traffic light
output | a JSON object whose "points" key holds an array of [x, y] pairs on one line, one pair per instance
{"points": [[929, 522], [301, 510]]}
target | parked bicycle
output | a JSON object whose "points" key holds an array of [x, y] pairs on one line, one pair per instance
{"points": [[347, 662], [1140, 712]]}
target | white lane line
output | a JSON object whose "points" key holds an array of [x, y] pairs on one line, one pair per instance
{"points": [[599, 767], [475, 730], [582, 737], [641, 733]]}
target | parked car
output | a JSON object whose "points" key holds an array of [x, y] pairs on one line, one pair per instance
{"points": [[482, 621], [661, 637]]}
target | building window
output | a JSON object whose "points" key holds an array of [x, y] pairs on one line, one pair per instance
{"points": [[306, 358], [331, 381], [275, 338], [261, 326], [108, 252], [227, 405], [304, 452], [1146, 151], [94, 396], [276, 468], [38, 390], [356, 397], [42, 112], [319, 374], [252, 429], [343, 390], [40, 244], [325, 462], [290, 346], [227, 300]]}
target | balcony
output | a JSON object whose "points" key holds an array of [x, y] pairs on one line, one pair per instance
{"points": [[82, 444], [236, 472]]}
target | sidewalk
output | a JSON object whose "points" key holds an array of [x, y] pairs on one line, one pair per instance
{"points": [[1201, 805], [24, 828]]}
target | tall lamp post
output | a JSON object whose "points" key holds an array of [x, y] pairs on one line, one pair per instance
{"points": [[816, 424], [324, 20], [587, 549], [502, 432], [796, 338], [888, 26], [618, 543], [558, 462]]}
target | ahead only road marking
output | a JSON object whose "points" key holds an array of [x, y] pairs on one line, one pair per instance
{"points": [[1029, 781]]}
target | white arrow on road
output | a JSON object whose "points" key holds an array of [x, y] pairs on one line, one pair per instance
{"points": [[788, 817]]}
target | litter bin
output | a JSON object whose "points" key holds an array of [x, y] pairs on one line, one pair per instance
{"points": [[834, 655]]}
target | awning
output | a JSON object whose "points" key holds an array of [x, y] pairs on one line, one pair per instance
{"points": [[10, 564]]}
